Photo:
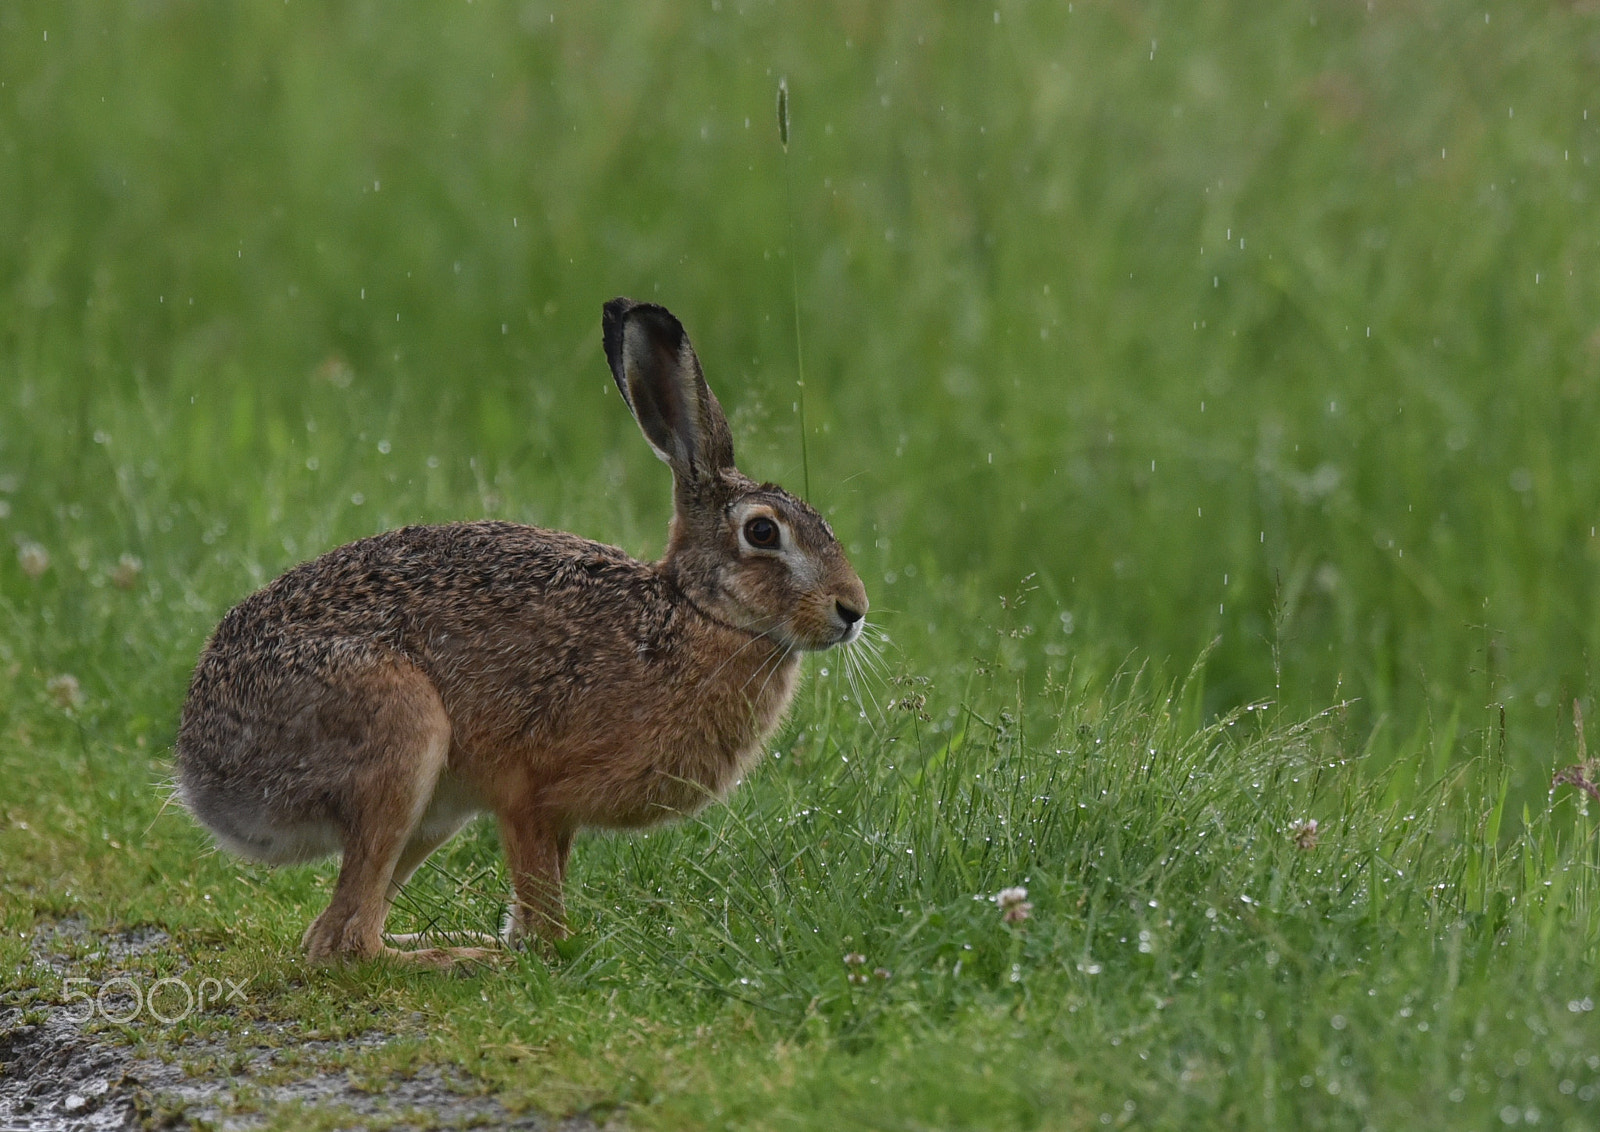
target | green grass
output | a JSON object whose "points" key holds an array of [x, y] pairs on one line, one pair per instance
{"points": [[1133, 333]]}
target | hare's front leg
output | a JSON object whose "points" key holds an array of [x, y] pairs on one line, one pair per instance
{"points": [[536, 849]]}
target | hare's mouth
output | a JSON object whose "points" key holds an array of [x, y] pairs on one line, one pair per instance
{"points": [[811, 638], [824, 638]]}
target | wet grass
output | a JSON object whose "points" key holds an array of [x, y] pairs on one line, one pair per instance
{"points": [[1132, 335]]}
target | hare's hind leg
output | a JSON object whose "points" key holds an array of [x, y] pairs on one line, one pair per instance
{"points": [[399, 740]]}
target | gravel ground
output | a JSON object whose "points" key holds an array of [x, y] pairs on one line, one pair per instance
{"points": [[57, 1074]]}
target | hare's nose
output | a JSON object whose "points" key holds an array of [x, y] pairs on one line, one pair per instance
{"points": [[846, 614]]}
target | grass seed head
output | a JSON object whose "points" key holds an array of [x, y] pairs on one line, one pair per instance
{"points": [[1584, 776]]}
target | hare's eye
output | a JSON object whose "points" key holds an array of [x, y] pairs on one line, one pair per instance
{"points": [[762, 533]]}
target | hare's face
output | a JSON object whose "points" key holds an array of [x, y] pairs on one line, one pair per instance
{"points": [[784, 573], [760, 558]]}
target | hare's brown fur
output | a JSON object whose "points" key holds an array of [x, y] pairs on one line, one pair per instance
{"points": [[371, 701]]}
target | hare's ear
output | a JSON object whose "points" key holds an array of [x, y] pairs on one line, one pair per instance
{"points": [[660, 379]]}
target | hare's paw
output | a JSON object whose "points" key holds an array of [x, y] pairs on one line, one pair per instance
{"points": [[444, 958], [338, 935], [413, 939], [531, 928]]}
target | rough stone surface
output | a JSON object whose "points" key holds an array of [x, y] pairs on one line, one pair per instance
{"points": [[56, 1074]]}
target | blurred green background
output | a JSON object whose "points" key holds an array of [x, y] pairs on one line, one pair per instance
{"points": [[1268, 323]]}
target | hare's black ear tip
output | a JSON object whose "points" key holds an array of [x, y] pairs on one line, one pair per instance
{"points": [[612, 313], [612, 318], [658, 323], [657, 318]]}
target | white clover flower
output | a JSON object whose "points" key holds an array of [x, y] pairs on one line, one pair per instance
{"points": [[33, 558], [64, 691], [126, 572], [1013, 904]]}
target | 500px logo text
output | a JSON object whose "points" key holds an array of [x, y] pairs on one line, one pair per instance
{"points": [[123, 999]]}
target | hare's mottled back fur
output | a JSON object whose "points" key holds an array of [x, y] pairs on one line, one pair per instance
{"points": [[372, 700]]}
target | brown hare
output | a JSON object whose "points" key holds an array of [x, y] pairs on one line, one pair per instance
{"points": [[371, 701]]}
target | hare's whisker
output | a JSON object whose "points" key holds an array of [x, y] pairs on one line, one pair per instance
{"points": [[734, 655], [879, 667], [871, 652], [851, 676], [861, 677], [787, 652], [775, 659]]}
